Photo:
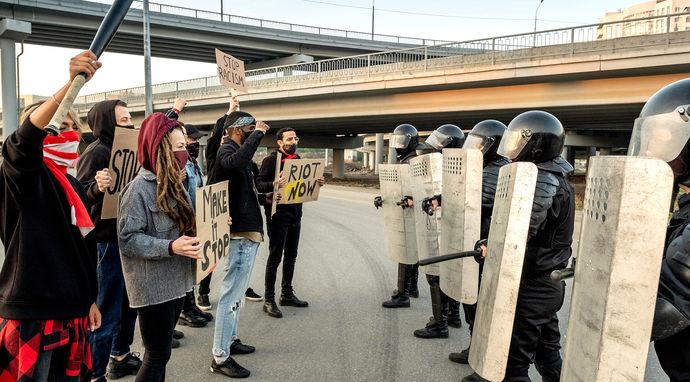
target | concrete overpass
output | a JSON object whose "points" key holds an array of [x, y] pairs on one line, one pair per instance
{"points": [[595, 87], [192, 34]]}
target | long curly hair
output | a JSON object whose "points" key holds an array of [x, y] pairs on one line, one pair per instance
{"points": [[169, 179]]}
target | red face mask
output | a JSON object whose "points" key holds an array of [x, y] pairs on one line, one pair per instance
{"points": [[181, 156], [62, 149]]}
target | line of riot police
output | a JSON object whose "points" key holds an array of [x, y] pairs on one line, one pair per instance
{"points": [[463, 188]]}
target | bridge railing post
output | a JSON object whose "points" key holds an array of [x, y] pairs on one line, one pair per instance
{"points": [[493, 51], [668, 30], [177, 89], [426, 57], [368, 65], [572, 42]]}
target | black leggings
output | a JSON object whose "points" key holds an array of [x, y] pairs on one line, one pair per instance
{"points": [[156, 323]]}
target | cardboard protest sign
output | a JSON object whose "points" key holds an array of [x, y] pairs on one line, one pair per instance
{"points": [[231, 71], [212, 215], [124, 166], [302, 181]]}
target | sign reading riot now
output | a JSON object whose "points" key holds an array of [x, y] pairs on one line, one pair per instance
{"points": [[231, 71], [212, 215], [124, 166], [302, 180]]}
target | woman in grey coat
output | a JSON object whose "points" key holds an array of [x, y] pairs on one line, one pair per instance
{"points": [[157, 237]]}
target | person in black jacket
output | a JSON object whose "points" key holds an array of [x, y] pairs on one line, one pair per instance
{"points": [[538, 137], [663, 131], [283, 228], [111, 343], [234, 164], [212, 145], [48, 281], [485, 136]]}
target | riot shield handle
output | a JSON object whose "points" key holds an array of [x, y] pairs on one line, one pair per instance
{"points": [[562, 274], [378, 202], [403, 202], [460, 255], [427, 204]]}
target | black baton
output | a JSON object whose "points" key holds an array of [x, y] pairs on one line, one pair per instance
{"points": [[452, 256]]}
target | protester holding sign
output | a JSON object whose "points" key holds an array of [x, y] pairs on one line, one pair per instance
{"points": [[212, 145], [48, 279], [234, 163], [283, 228], [113, 340], [156, 232]]}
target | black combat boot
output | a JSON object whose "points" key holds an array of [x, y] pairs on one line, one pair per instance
{"points": [[271, 308], [454, 319], [438, 324], [401, 299], [474, 377], [288, 298], [463, 357], [414, 277]]}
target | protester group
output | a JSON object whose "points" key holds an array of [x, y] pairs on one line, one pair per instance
{"points": [[73, 285]]}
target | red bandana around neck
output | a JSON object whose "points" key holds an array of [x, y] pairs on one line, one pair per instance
{"points": [[60, 152], [287, 156]]}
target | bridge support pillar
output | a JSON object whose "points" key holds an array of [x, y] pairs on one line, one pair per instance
{"points": [[372, 160], [365, 160], [338, 163], [379, 152], [392, 155], [11, 31], [604, 151]]}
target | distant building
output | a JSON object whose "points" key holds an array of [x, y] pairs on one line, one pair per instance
{"points": [[643, 10]]}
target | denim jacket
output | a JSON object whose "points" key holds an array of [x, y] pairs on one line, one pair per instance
{"points": [[194, 180], [152, 275]]}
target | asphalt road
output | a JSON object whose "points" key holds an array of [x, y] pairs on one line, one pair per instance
{"points": [[345, 334]]}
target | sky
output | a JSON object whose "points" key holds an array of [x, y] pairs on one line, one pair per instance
{"points": [[450, 20]]}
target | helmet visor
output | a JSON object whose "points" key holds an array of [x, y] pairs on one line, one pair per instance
{"points": [[660, 136], [512, 143], [478, 142], [399, 141], [438, 140]]}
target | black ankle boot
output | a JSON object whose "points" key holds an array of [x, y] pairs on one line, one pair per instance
{"points": [[432, 329], [397, 301], [463, 357], [288, 298], [271, 308]]}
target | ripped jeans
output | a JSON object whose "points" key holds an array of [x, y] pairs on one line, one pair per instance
{"points": [[236, 269]]}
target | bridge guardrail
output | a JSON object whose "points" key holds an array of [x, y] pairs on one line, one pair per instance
{"points": [[244, 20], [565, 42]]}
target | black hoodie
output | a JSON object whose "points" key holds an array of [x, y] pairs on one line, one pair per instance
{"points": [[96, 157]]}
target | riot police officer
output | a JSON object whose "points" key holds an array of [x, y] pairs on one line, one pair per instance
{"points": [[486, 137], [405, 141], [663, 131], [445, 310], [538, 137]]}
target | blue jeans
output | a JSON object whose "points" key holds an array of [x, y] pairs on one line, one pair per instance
{"points": [[116, 333], [236, 269]]}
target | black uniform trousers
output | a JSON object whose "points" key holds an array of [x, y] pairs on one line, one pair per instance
{"points": [[536, 337], [283, 244], [674, 356]]}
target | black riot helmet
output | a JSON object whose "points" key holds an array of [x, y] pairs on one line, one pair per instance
{"points": [[663, 128], [405, 139], [486, 136], [533, 136], [446, 136]]}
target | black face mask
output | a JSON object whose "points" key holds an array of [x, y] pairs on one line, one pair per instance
{"points": [[245, 134], [193, 150], [125, 126], [290, 149]]}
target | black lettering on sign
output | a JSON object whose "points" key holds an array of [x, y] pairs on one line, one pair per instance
{"points": [[125, 167]]}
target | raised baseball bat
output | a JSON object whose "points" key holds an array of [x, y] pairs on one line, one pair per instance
{"points": [[106, 31], [452, 256]]}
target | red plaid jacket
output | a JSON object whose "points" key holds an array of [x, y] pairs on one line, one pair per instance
{"points": [[21, 342]]}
